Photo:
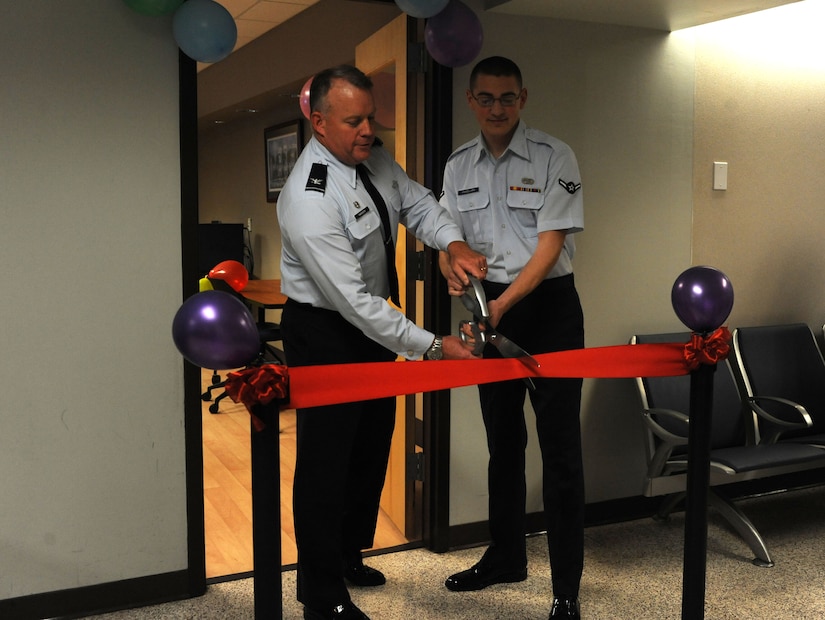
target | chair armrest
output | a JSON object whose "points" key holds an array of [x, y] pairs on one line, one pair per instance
{"points": [[659, 459], [662, 433], [804, 418]]}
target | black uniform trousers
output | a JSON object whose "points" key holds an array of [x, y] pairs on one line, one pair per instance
{"points": [[549, 319], [342, 453]]}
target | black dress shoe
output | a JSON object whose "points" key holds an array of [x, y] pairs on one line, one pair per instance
{"points": [[364, 576], [344, 611], [480, 576], [567, 608]]}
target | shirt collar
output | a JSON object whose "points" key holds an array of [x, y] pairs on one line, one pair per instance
{"points": [[347, 172], [518, 143]]}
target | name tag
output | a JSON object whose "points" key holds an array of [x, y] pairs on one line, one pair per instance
{"points": [[464, 192]]}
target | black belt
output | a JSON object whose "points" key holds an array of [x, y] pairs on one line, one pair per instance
{"points": [[495, 289]]}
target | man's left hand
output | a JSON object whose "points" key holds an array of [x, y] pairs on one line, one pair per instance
{"points": [[465, 261]]}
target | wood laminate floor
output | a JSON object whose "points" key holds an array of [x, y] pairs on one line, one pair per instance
{"points": [[227, 482]]}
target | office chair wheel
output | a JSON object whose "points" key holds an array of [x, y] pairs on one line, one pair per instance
{"points": [[206, 396], [213, 408]]}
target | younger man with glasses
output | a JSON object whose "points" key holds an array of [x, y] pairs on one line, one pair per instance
{"points": [[516, 193]]}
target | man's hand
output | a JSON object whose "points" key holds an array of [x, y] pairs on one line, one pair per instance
{"points": [[464, 261], [454, 285], [454, 349]]}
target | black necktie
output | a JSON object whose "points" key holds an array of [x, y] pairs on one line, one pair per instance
{"points": [[389, 246]]}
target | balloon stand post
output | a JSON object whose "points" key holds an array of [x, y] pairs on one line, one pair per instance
{"points": [[702, 298], [696, 502], [266, 514]]}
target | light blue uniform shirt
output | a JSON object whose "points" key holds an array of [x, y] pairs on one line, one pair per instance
{"points": [[332, 242], [503, 204]]}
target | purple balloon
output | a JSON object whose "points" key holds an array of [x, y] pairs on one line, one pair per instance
{"points": [[215, 330], [454, 36], [702, 298]]}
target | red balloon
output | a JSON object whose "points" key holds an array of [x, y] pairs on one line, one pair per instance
{"points": [[305, 98], [232, 272]]}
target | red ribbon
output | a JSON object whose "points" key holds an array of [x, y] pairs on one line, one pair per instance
{"points": [[314, 386], [710, 350], [258, 386]]}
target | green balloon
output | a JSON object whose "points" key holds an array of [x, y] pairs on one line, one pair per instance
{"points": [[154, 7]]}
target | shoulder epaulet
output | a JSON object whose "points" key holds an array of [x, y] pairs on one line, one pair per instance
{"points": [[540, 137], [317, 180], [537, 135], [467, 145]]}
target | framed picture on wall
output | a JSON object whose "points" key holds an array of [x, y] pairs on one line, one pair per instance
{"points": [[282, 145]]}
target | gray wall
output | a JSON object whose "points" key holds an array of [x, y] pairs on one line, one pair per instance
{"points": [[92, 441]]}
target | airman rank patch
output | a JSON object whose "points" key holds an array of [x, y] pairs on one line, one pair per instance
{"points": [[571, 187], [317, 181]]}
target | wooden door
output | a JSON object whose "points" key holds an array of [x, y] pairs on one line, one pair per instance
{"points": [[384, 57]]}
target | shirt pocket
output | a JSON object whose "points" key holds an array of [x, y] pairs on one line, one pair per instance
{"points": [[476, 216], [524, 209], [366, 235]]}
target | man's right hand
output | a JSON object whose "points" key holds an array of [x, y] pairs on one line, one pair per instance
{"points": [[454, 349]]}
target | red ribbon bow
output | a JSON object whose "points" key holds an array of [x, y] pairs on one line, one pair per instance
{"points": [[258, 386], [710, 350]]}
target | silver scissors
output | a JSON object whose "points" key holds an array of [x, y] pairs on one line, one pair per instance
{"points": [[475, 300]]}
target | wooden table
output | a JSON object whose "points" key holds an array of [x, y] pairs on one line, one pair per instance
{"points": [[264, 295]]}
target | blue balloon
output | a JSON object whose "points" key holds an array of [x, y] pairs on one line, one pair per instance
{"points": [[215, 330], [422, 8], [454, 36], [204, 30], [702, 298]]}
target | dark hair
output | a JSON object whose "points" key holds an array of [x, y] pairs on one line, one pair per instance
{"points": [[322, 82], [497, 66]]}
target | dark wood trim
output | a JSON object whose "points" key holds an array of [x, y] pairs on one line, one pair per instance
{"points": [[438, 134], [196, 537]]}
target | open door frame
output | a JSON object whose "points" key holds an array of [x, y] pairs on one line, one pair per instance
{"points": [[438, 144], [421, 447]]}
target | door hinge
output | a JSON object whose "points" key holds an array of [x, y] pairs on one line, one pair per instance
{"points": [[415, 466], [416, 58], [420, 260]]}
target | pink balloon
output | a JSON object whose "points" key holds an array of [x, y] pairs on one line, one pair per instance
{"points": [[305, 98], [454, 36]]}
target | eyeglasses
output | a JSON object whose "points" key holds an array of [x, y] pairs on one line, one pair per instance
{"points": [[506, 100]]}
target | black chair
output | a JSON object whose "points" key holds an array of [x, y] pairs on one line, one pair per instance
{"points": [[268, 333], [734, 455], [783, 362]]}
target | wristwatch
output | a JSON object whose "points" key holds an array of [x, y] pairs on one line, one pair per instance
{"points": [[435, 352]]}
